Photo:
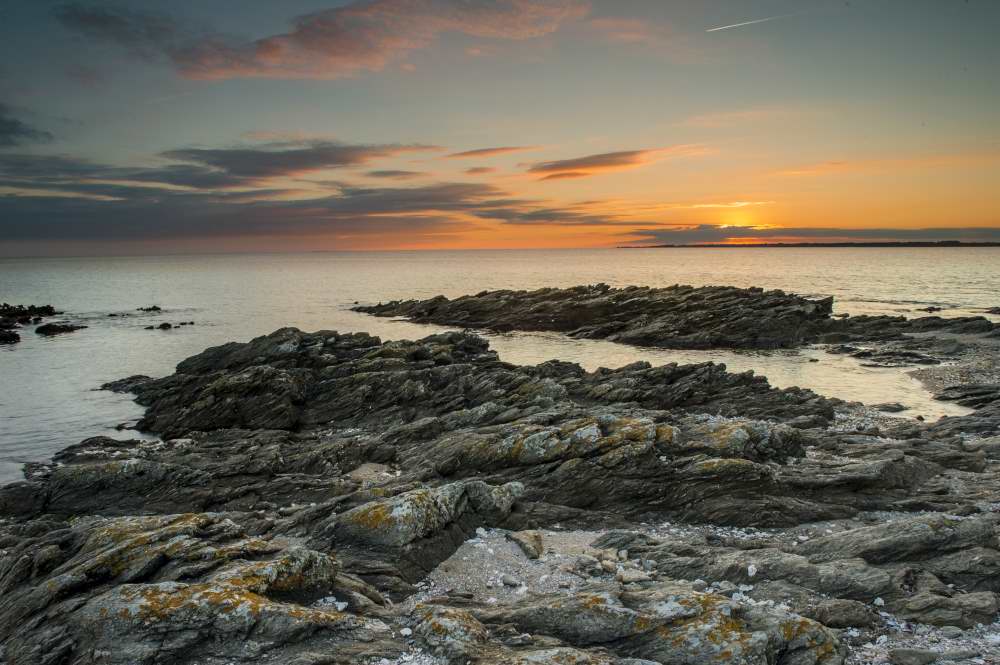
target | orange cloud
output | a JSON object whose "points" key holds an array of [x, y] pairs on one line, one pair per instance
{"points": [[589, 165], [489, 152], [731, 204], [329, 44]]}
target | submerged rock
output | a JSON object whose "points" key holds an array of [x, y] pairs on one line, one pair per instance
{"points": [[49, 329]]}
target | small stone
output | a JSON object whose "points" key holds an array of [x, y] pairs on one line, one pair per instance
{"points": [[630, 576], [406, 632], [912, 656], [751, 570], [950, 632], [509, 580], [530, 542]]}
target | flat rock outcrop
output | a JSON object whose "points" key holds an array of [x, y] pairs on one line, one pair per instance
{"points": [[681, 317], [677, 317]]}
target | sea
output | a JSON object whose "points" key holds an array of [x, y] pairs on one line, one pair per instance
{"points": [[48, 385]]}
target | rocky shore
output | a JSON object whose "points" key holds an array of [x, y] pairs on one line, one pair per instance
{"points": [[320, 498], [13, 317]]}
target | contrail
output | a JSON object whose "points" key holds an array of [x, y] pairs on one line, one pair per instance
{"points": [[760, 20]]}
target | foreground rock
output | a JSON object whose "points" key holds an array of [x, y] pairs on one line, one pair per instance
{"points": [[680, 317], [307, 485]]}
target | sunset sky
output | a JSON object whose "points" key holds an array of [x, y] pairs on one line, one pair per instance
{"points": [[237, 125]]}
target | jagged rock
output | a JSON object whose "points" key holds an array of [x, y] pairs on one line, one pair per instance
{"points": [[174, 589], [409, 534], [625, 441], [669, 623], [303, 472], [964, 610], [9, 337], [971, 395], [128, 384], [908, 564], [842, 613]]}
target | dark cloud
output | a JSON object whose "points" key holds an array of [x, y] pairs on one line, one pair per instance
{"points": [[85, 75], [364, 35], [146, 34], [288, 159], [56, 170], [708, 233], [102, 202], [395, 175], [480, 170], [449, 197], [489, 152], [170, 216], [16, 132], [126, 211], [203, 168]]}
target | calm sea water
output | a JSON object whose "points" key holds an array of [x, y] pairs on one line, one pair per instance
{"points": [[48, 399]]}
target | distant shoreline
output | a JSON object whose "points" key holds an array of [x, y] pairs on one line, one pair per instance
{"points": [[944, 243]]}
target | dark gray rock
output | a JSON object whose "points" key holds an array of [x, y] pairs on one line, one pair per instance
{"points": [[675, 317], [682, 317], [128, 384], [57, 328]]}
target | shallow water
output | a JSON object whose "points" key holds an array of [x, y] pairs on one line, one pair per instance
{"points": [[48, 401]]}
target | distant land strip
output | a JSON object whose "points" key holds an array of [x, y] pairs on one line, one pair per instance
{"points": [[941, 243]]}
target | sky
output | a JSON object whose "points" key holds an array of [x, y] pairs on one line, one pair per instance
{"points": [[165, 126]]}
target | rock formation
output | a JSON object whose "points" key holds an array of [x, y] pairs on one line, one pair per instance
{"points": [[677, 317], [304, 485]]}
